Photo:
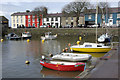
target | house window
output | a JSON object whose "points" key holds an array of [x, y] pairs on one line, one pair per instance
{"points": [[33, 16], [89, 16], [28, 16], [17, 20], [47, 19], [110, 15], [33, 24], [13, 25], [17, 25], [118, 15], [28, 20], [21, 20], [52, 19], [28, 25], [33, 20], [56, 19], [13, 20]]}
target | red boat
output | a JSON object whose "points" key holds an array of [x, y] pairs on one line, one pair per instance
{"points": [[64, 66]]}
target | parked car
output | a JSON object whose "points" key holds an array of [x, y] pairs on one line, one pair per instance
{"points": [[67, 26], [43, 26]]}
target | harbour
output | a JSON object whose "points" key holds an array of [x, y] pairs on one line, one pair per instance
{"points": [[14, 57]]}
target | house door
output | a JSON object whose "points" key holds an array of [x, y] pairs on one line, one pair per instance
{"points": [[110, 22]]}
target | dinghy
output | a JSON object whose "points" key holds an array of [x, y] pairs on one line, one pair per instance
{"points": [[63, 66], [72, 57]]}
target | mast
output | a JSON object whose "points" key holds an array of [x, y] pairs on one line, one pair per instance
{"points": [[96, 18]]}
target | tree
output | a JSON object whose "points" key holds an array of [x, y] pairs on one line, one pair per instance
{"points": [[40, 12], [103, 9], [75, 9]]}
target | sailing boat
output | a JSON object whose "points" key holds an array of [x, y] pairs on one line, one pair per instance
{"points": [[91, 47]]}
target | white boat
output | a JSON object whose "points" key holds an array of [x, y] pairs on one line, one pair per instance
{"points": [[90, 47], [48, 35], [72, 57], [26, 35], [104, 38]]}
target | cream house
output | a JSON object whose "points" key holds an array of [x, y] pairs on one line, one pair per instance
{"points": [[17, 20]]}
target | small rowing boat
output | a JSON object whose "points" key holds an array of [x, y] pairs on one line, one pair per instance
{"points": [[64, 66]]}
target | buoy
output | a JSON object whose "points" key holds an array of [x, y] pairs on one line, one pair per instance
{"points": [[28, 40], [66, 49], [63, 50], [78, 42], [80, 38], [27, 62], [69, 44], [43, 40], [1, 40], [51, 55]]}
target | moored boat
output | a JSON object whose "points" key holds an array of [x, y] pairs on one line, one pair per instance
{"points": [[72, 57], [49, 35], [90, 47], [104, 38], [64, 66], [13, 36], [26, 35]]}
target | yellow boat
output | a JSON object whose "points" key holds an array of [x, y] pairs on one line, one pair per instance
{"points": [[90, 47]]}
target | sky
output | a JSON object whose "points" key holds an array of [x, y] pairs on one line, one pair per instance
{"points": [[8, 7]]}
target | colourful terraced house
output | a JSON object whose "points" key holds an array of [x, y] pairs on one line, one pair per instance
{"points": [[110, 18]]}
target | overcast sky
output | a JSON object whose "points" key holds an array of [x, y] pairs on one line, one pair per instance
{"points": [[8, 7]]}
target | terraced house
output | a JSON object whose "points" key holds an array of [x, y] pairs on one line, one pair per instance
{"points": [[111, 18], [53, 20], [68, 21], [57, 20], [24, 19]]}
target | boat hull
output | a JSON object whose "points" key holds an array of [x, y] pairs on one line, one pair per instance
{"points": [[60, 67], [91, 49], [72, 57], [26, 37]]}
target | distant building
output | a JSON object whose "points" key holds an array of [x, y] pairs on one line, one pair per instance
{"points": [[4, 24], [24, 19], [112, 18], [53, 20], [71, 21]]}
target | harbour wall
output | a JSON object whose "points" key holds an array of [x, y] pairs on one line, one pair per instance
{"points": [[37, 32]]}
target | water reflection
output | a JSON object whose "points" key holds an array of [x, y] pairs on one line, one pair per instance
{"points": [[48, 73]]}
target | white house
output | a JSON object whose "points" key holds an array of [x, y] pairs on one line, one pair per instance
{"points": [[53, 20]]}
